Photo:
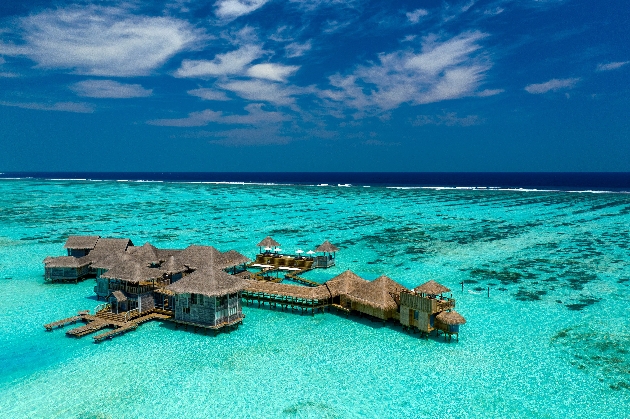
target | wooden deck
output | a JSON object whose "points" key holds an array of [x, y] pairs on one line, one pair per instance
{"points": [[119, 323]]}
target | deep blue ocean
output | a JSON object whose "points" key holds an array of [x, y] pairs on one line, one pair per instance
{"points": [[562, 181], [551, 340]]}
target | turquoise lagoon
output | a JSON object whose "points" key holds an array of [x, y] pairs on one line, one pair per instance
{"points": [[551, 340]]}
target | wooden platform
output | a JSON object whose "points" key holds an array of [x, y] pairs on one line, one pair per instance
{"points": [[118, 322]]}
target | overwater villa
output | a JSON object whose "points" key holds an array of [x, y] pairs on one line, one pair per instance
{"points": [[204, 288]]}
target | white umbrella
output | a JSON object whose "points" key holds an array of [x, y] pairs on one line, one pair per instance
{"points": [[278, 250], [299, 251], [310, 252], [267, 248]]}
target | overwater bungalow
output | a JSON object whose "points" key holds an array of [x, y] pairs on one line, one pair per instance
{"points": [[66, 269], [326, 260], [203, 287], [419, 308], [137, 282], [208, 298], [79, 246]]}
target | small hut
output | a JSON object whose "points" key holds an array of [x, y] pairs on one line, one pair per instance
{"points": [[378, 298], [79, 246], [419, 308], [66, 268], [145, 254], [208, 297], [173, 269], [448, 322], [118, 302], [328, 258], [267, 242], [341, 286]]}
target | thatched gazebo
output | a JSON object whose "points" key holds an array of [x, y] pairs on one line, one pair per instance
{"points": [[208, 297], [232, 259], [431, 288], [267, 242], [328, 259]]}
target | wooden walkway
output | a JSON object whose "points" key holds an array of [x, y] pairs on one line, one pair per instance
{"points": [[104, 320], [63, 322]]}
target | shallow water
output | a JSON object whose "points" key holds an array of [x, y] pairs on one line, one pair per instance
{"points": [[553, 338]]}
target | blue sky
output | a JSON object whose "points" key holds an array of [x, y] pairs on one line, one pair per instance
{"points": [[314, 85]]}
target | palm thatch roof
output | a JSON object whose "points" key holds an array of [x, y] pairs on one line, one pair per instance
{"points": [[197, 257], [133, 272], [172, 266], [112, 245], [81, 242], [344, 283], [450, 317], [231, 258], [119, 296], [431, 287], [104, 260], [268, 242], [327, 247], [377, 293], [147, 253], [164, 254], [66, 262], [287, 290], [211, 282]]}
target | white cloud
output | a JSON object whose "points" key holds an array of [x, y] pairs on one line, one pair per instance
{"points": [[449, 119], [262, 90], [270, 71], [442, 70], [109, 89], [230, 9], [230, 63], [255, 116], [209, 94], [490, 92], [414, 17], [102, 41], [296, 49], [76, 107], [611, 66], [551, 85]]}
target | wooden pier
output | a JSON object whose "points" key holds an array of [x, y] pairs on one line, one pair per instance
{"points": [[120, 323], [63, 322]]}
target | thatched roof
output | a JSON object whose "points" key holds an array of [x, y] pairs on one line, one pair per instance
{"points": [[105, 260], [377, 293], [66, 262], [81, 242], [172, 266], [164, 254], [133, 272], [231, 258], [197, 257], [208, 281], [344, 283], [119, 296], [327, 247], [268, 242], [287, 290], [147, 253], [431, 287], [112, 245], [450, 317]]}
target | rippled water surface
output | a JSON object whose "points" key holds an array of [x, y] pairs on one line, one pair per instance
{"points": [[551, 340]]}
